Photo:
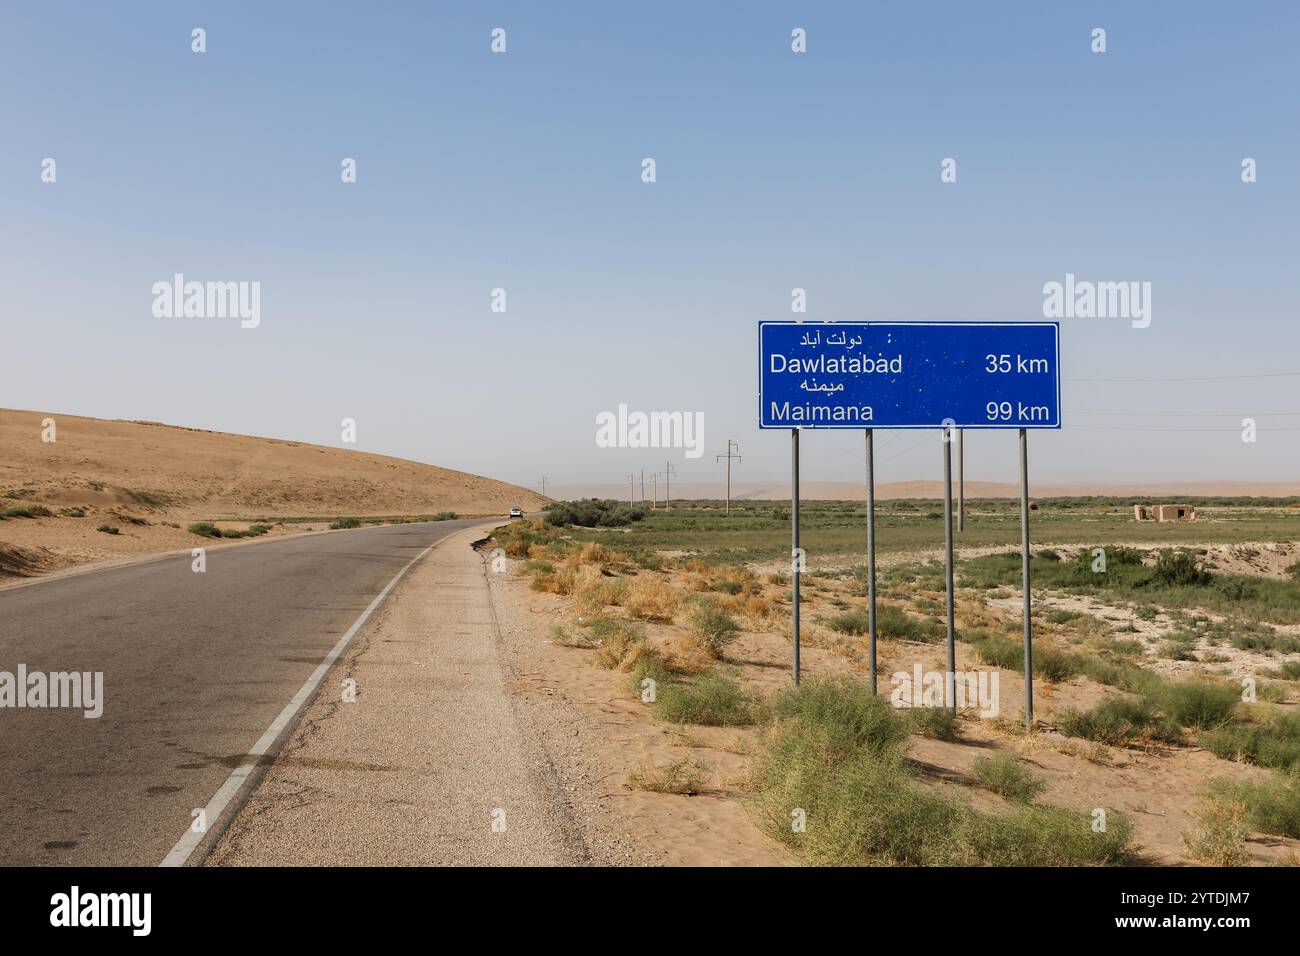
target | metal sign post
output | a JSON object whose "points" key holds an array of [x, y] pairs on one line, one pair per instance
{"points": [[949, 684], [871, 552], [794, 550], [872, 375], [961, 479], [1024, 560]]}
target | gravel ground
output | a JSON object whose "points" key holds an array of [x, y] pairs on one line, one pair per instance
{"points": [[556, 726], [436, 752]]}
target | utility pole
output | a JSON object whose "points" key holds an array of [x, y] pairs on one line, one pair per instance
{"points": [[731, 446], [642, 486], [543, 486], [669, 471], [631, 489], [655, 479], [961, 480]]}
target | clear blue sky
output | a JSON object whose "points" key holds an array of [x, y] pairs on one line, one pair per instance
{"points": [[522, 171]]}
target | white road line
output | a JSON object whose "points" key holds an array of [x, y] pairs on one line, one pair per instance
{"points": [[186, 845]]}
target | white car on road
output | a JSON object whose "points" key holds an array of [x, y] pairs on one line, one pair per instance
{"points": [[516, 512]]}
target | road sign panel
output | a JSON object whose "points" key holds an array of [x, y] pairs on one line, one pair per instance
{"points": [[909, 374]]}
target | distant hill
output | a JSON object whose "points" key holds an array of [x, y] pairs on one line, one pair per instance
{"points": [[159, 470]]}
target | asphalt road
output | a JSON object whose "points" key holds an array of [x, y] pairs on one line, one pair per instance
{"points": [[196, 668]]}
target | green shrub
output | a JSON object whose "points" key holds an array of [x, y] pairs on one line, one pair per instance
{"points": [[939, 723], [650, 560], [594, 513], [843, 714], [1274, 743], [107, 529], [1178, 569], [713, 626], [837, 753], [34, 511], [1199, 704], [1117, 721], [1063, 617], [1272, 806], [205, 528], [998, 650], [1054, 665], [1287, 670], [1009, 777], [1174, 581], [850, 622], [606, 627], [712, 700], [1049, 836], [253, 531], [650, 664], [892, 623], [344, 523]]}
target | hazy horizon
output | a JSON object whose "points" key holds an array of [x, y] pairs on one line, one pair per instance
{"points": [[775, 171]]}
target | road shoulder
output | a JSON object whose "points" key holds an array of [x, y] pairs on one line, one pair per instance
{"points": [[433, 763]]}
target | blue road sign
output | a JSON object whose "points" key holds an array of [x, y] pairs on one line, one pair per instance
{"points": [[909, 374]]}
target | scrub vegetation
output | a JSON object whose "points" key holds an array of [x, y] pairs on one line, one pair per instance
{"points": [[670, 597]]}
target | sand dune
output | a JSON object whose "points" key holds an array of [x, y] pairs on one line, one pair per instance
{"points": [[149, 481], [163, 468]]}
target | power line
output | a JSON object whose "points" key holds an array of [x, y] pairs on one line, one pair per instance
{"points": [[1129, 428], [928, 436], [1185, 414], [1189, 378]]}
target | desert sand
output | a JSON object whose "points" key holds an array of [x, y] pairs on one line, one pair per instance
{"points": [[150, 481]]}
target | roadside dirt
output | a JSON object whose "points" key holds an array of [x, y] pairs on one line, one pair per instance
{"points": [[433, 763], [1157, 788]]}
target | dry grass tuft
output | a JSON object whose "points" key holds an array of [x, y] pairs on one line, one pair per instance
{"points": [[651, 598], [620, 643], [560, 581], [685, 776], [593, 590], [1219, 839]]}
